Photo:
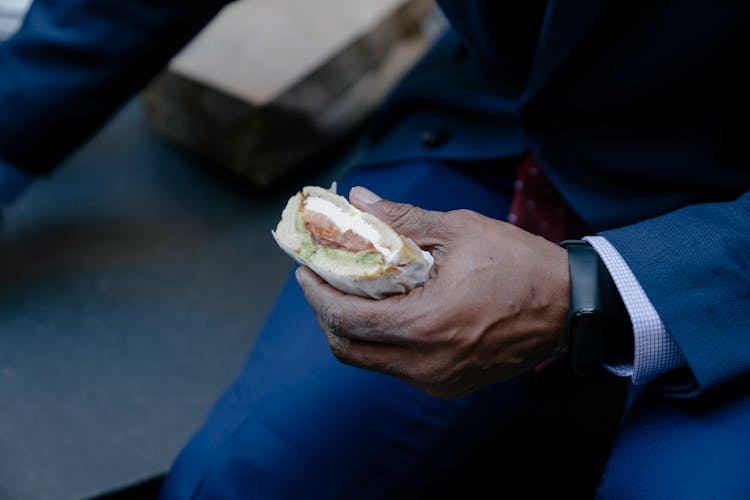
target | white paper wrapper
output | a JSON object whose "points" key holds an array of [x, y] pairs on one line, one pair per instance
{"points": [[402, 277]]}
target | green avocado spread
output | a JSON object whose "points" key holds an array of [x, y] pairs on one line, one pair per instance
{"points": [[309, 250]]}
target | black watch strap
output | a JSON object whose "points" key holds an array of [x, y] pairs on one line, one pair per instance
{"points": [[598, 321]]}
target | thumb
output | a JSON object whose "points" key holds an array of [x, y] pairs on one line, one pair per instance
{"points": [[418, 224]]}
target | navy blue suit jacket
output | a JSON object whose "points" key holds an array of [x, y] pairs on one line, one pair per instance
{"points": [[634, 108]]}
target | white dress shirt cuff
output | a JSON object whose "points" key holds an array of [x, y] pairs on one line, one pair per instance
{"points": [[656, 351]]}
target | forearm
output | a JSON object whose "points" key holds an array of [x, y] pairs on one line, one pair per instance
{"points": [[73, 63]]}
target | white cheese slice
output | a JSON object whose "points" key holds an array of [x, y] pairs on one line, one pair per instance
{"points": [[349, 221]]}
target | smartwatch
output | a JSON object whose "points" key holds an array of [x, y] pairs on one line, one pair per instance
{"points": [[597, 317]]}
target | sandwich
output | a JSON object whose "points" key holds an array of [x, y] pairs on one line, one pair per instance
{"points": [[352, 250]]}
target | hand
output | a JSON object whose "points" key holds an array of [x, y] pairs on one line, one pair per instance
{"points": [[495, 305]]}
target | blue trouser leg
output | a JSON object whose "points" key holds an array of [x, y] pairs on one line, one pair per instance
{"points": [[682, 448], [299, 424]]}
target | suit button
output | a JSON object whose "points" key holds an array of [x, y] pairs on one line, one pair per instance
{"points": [[434, 138]]}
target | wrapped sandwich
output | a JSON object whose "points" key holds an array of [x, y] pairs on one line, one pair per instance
{"points": [[352, 250]]}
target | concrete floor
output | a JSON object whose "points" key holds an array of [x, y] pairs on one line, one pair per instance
{"points": [[133, 282]]}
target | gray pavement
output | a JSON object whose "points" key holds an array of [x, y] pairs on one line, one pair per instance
{"points": [[133, 282]]}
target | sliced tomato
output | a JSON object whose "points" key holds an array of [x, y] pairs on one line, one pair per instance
{"points": [[325, 233]]}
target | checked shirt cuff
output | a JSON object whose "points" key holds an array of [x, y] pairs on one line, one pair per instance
{"points": [[656, 351]]}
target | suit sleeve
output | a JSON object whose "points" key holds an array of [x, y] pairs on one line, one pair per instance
{"points": [[74, 62], [694, 265]]}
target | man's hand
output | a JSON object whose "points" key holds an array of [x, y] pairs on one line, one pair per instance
{"points": [[495, 305]]}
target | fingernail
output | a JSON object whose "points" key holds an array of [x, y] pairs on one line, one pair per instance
{"points": [[364, 195], [298, 274]]}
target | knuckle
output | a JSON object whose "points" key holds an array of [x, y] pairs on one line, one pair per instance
{"points": [[463, 220], [382, 366], [434, 334], [345, 352], [402, 214], [464, 213], [432, 328], [339, 348], [429, 375], [332, 319], [426, 325], [423, 337]]}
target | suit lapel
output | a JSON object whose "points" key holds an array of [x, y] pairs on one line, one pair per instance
{"points": [[565, 25]]}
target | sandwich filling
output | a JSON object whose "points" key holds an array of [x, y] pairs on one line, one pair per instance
{"points": [[344, 236]]}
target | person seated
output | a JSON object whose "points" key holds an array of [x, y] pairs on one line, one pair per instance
{"points": [[614, 124]]}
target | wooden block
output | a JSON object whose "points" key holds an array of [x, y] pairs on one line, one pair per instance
{"points": [[12, 13], [256, 50], [272, 82]]}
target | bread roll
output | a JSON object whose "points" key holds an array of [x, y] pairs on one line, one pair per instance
{"points": [[352, 250]]}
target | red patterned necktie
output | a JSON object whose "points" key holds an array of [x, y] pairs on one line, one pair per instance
{"points": [[538, 208]]}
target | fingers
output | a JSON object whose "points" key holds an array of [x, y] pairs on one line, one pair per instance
{"points": [[353, 317], [368, 346], [372, 335], [385, 358], [418, 224]]}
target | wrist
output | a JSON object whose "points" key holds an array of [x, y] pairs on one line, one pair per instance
{"points": [[559, 302], [595, 308]]}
